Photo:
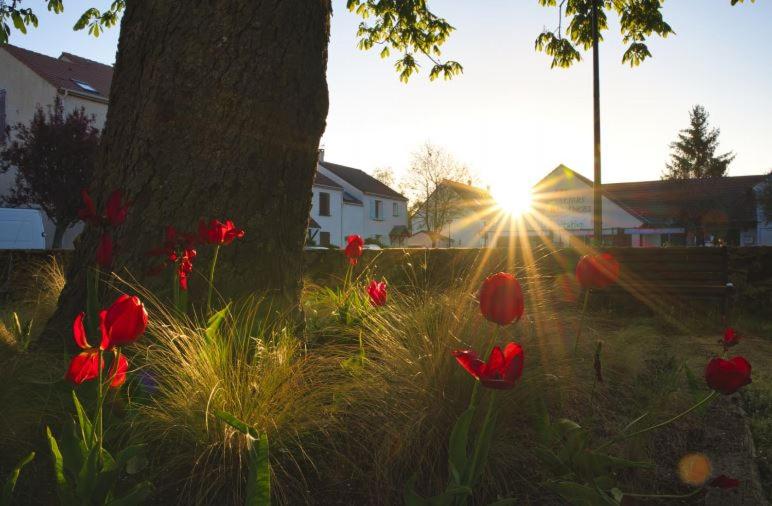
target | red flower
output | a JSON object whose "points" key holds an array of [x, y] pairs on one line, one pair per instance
{"points": [[728, 376], [377, 292], [724, 481], [104, 252], [597, 271], [501, 371], [218, 232], [116, 209], [501, 298], [124, 321], [84, 366], [354, 247], [731, 338], [185, 267], [118, 371], [88, 212], [178, 249]]}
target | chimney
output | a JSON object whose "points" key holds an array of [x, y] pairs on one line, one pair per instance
{"points": [[321, 154], [469, 182]]}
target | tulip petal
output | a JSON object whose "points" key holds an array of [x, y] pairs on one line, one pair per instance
{"points": [[469, 361], [79, 332], [84, 367], [118, 371]]}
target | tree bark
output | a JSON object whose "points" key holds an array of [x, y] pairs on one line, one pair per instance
{"points": [[59, 231], [216, 111]]}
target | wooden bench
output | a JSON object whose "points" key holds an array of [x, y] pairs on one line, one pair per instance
{"points": [[667, 279]]}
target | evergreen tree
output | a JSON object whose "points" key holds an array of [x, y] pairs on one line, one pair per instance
{"points": [[693, 155]]}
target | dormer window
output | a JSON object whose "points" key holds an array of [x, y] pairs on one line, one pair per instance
{"points": [[85, 86]]}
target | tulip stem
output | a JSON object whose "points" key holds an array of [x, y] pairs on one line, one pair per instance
{"points": [[478, 458], [211, 278], [100, 388], [581, 319], [622, 437]]}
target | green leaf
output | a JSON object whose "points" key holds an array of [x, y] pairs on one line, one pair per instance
{"points": [[88, 474], [237, 424], [213, 325], [10, 482], [458, 444], [73, 449], [63, 488], [578, 494], [259, 480], [137, 495], [86, 428], [504, 502], [18, 22], [542, 422], [106, 479], [411, 496], [484, 440], [556, 466]]}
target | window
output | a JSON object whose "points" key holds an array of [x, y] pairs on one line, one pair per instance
{"points": [[324, 238], [395, 209], [324, 204], [376, 210], [85, 86]]}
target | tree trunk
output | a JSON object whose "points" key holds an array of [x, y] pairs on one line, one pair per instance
{"points": [[216, 111], [59, 231]]}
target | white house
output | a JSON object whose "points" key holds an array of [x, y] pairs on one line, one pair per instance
{"points": [[29, 80], [349, 201], [636, 214]]}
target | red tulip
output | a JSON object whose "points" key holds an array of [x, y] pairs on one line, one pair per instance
{"points": [[728, 376], [178, 249], [731, 338], [377, 292], [724, 481], [104, 252], [88, 212], [79, 332], [84, 366], [218, 233], [185, 267], [118, 371], [501, 298], [354, 248], [597, 271], [116, 209], [124, 321], [501, 371]]}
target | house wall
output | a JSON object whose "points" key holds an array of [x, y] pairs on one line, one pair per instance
{"points": [[370, 227], [763, 228], [24, 92], [353, 220], [332, 223]]}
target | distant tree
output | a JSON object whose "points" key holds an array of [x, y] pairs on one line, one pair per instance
{"points": [[54, 160], [693, 155], [385, 175], [433, 205]]}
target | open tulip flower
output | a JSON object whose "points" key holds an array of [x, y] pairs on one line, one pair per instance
{"points": [[85, 365], [218, 233], [115, 213], [501, 371], [354, 248], [728, 376], [179, 249], [501, 298], [377, 292], [597, 271]]}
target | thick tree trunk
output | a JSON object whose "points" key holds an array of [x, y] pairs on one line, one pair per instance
{"points": [[216, 111], [59, 231]]}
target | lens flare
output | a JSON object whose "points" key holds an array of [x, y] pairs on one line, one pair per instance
{"points": [[694, 469]]}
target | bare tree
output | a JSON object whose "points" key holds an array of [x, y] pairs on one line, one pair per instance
{"points": [[432, 203], [385, 175]]}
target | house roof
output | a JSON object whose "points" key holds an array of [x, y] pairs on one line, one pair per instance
{"points": [[661, 202], [472, 196], [350, 199], [63, 72], [322, 180], [313, 224], [362, 180]]}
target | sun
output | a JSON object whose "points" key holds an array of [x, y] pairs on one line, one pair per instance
{"points": [[515, 199]]}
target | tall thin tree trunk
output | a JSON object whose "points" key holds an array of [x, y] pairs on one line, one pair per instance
{"points": [[216, 111], [59, 231], [596, 188]]}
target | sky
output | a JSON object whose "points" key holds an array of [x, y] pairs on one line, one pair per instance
{"points": [[510, 118]]}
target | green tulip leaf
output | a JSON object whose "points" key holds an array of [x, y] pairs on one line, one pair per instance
{"points": [[10, 482], [215, 321], [259, 480], [237, 424], [577, 494], [87, 476], [136, 496], [63, 489], [86, 427], [73, 449], [551, 460], [458, 444]]}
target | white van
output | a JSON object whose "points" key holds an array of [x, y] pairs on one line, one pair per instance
{"points": [[21, 229]]}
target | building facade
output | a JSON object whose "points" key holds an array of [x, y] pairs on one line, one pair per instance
{"points": [[30, 80], [349, 201]]}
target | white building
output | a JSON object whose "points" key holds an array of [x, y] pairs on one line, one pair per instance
{"points": [[29, 80], [637, 214], [349, 201]]}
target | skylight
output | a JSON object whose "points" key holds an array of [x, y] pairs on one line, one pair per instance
{"points": [[85, 86]]}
